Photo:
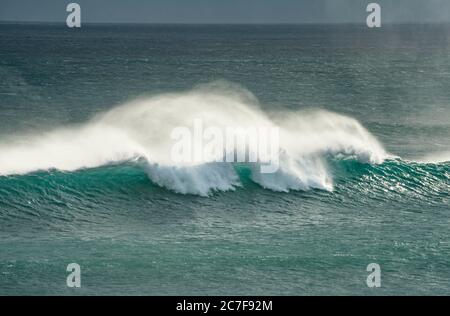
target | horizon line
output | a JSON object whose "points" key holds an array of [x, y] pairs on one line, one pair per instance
{"points": [[224, 23]]}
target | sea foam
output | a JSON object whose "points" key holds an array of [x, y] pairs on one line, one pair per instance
{"points": [[141, 129]]}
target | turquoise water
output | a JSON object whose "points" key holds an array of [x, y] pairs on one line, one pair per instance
{"points": [[65, 196]]}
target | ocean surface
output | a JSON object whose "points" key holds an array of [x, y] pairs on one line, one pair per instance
{"points": [[84, 121]]}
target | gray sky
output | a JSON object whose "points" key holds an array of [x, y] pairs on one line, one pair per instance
{"points": [[226, 11]]}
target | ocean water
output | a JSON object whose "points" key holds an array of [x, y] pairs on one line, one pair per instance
{"points": [[365, 177]]}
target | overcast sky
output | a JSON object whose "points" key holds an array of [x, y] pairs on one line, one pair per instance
{"points": [[226, 11]]}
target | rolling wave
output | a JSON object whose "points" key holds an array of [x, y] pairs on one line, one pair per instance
{"points": [[140, 131]]}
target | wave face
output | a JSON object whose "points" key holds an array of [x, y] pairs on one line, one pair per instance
{"points": [[141, 129]]}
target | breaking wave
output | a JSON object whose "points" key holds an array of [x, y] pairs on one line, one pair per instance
{"points": [[141, 130]]}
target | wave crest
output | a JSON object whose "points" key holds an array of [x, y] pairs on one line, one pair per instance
{"points": [[141, 129]]}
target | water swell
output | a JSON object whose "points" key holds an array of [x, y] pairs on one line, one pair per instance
{"points": [[141, 130], [394, 179]]}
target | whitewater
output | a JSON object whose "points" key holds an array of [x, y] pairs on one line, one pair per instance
{"points": [[140, 130]]}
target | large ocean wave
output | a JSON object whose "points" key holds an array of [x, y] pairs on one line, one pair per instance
{"points": [[140, 131]]}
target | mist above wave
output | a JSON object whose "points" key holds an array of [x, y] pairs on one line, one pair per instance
{"points": [[436, 157], [142, 128]]}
